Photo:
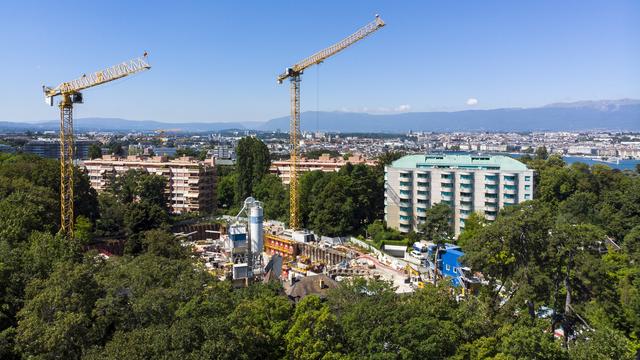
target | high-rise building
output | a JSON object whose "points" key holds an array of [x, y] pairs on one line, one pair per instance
{"points": [[467, 183], [191, 184], [50, 148]]}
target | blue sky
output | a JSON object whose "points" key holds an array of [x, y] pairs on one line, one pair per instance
{"points": [[218, 60]]}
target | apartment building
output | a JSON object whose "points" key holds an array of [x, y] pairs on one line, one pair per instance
{"points": [[50, 148], [467, 183], [324, 163], [191, 184]]}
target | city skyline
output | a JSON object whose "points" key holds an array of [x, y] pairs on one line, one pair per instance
{"points": [[218, 62]]}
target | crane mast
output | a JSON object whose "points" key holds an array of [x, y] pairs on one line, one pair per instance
{"points": [[70, 94], [293, 74]]}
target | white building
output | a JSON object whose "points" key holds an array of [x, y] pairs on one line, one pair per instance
{"points": [[468, 183]]}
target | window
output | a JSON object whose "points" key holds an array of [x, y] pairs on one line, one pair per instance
{"points": [[406, 209], [421, 201], [466, 177], [423, 175], [405, 192], [490, 178], [527, 196], [527, 178], [455, 270], [527, 187], [491, 196], [466, 186], [448, 267], [445, 185], [405, 183], [490, 187], [423, 192], [509, 196], [445, 176], [509, 187], [405, 217], [446, 193]]}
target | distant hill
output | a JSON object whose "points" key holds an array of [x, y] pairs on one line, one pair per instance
{"points": [[621, 115], [609, 115], [116, 124]]}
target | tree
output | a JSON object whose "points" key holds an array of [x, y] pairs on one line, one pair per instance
{"points": [[388, 157], [333, 209], [472, 225], [542, 153], [437, 227], [116, 149], [187, 151], [162, 243], [54, 324], [314, 332], [274, 197], [252, 163], [226, 191], [152, 188], [94, 151], [602, 344]]}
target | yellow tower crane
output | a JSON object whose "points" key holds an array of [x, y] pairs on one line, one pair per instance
{"points": [[293, 74], [70, 94]]}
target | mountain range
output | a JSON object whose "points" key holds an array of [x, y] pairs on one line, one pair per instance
{"points": [[623, 115]]}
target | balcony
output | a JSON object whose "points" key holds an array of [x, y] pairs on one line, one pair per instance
{"points": [[405, 211], [405, 221], [466, 180], [466, 206], [420, 196], [446, 181], [464, 215], [491, 180], [423, 184], [490, 200], [491, 190], [490, 217], [510, 201], [404, 196], [509, 180], [446, 197], [510, 191], [466, 198], [405, 186], [490, 207]]}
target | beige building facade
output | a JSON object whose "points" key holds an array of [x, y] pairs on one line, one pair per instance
{"points": [[191, 184]]}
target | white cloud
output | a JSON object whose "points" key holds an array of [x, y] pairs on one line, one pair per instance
{"points": [[403, 108], [472, 101]]}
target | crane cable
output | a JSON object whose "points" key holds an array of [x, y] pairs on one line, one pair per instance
{"points": [[318, 98]]}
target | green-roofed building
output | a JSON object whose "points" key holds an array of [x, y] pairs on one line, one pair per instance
{"points": [[468, 183]]}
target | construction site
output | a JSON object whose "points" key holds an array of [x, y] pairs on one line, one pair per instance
{"points": [[246, 248]]}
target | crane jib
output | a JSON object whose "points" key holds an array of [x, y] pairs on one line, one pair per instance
{"points": [[101, 77]]}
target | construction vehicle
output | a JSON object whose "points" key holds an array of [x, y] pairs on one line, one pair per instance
{"points": [[70, 93], [293, 74]]}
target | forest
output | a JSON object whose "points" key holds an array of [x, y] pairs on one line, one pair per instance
{"points": [[569, 258]]}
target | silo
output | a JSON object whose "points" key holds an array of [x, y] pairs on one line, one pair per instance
{"points": [[255, 222]]}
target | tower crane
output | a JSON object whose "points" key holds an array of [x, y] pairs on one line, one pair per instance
{"points": [[70, 94], [293, 74]]}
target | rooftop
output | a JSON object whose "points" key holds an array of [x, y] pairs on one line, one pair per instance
{"points": [[467, 161]]}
